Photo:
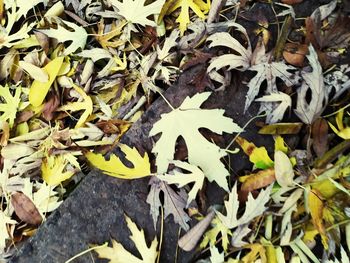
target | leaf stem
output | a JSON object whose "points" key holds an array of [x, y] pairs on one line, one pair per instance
{"points": [[86, 251]]}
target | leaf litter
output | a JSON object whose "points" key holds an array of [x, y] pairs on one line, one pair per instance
{"points": [[75, 75]]}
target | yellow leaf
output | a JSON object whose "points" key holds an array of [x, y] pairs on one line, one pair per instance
{"points": [[257, 251], [316, 206], [85, 105], [258, 156], [343, 132], [52, 170], [199, 7], [114, 167], [38, 90], [280, 145], [11, 104], [118, 254], [213, 234]]}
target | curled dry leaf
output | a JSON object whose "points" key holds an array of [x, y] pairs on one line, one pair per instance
{"points": [[25, 209]]}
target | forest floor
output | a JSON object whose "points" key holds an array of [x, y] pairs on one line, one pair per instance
{"points": [[181, 130]]}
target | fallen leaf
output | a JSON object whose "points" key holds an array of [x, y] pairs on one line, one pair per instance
{"points": [[174, 203], [257, 180], [189, 241], [11, 104], [277, 103], [295, 54], [319, 132], [257, 155], [342, 131], [185, 121], [77, 36], [118, 254], [5, 222], [85, 105], [292, 2], [35, 72], [253, 208], [52, 170], [38, 90], [283, 169], [115, 167], [281, 128], [315, 205], [309, 110], [199, 7], [195, 176], [136, 12], [25, 209]]}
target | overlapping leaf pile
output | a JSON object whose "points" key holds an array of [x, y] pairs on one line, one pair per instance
{"points": [[74, 75]]}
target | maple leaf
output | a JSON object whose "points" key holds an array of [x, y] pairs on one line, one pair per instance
{"points": [[269, 71], [25, 5], [232, 61], [253, 208], [38, 89], [217, 228], [118, 254], [186, 121], [85, 105], [6, 38], [52, 170], [136, 12], [275, 105], [10, 107], [78, 36], [114, 167], [196, 176], [307, 109], [174, 203], [199, 7]]}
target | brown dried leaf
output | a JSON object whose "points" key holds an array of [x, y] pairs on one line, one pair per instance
{"points": [[294, 54], [25, 209], [256, 181], [319, 131]]}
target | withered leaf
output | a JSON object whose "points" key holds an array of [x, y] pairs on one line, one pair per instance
{"points": [[319, 131], [25, 209]]}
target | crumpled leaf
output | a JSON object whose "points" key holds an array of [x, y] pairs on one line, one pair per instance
{"points": [[115, 167], [174, 203], [118, 254], [185, 121], [308, 110], [136, 12], [253, 208], [85, 105], [38, 90], [9, 108], [195, 176], [77, 37]]}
